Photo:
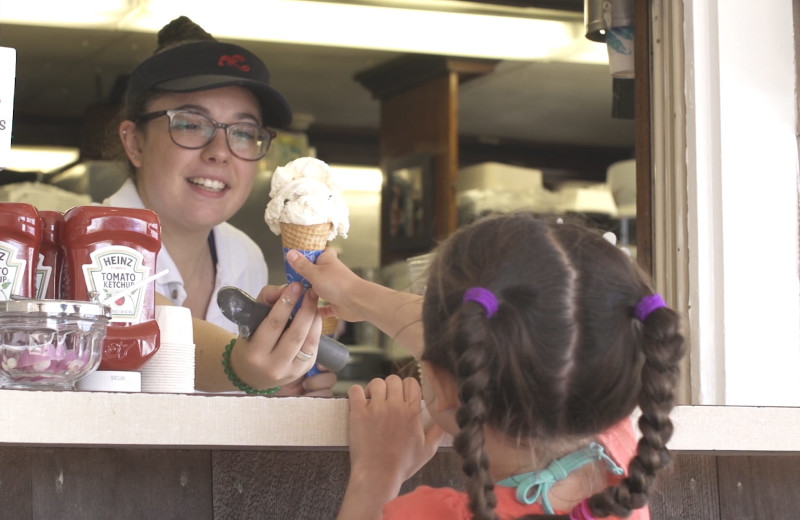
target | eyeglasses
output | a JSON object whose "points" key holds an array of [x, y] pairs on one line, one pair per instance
{"points": [[192, 130]]}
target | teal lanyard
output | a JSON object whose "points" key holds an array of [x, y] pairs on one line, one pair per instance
{"points": [[536, 485]]}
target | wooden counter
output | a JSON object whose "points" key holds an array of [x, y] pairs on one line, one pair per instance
{"points": [[97, 419], [105, 455]]}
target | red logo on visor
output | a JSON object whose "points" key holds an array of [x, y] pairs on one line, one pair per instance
{"points": [[237, 60]]}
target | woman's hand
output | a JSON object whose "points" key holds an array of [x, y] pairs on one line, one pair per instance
{"points": [[318, 385], [270, 357]]}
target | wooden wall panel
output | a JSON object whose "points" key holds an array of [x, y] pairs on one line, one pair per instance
{"points": [[443, 470], [752, 488], [687, 490], [86, 483], [279, 485], [298, 485], [15, 483]]}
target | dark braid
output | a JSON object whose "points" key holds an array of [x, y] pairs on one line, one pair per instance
{"points": [[561, 361], [663, 348], [472, 372]]}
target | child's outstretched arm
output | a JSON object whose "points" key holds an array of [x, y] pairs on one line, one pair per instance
{"points": [[398, 314], [388, 444]]}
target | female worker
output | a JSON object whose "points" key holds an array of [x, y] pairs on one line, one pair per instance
{"points": [[198, 115]]}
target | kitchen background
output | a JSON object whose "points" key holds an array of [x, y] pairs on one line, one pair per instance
{"points": [[550, 132]]}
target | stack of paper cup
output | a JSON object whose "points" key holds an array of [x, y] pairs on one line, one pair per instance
{"points": [[171, 369]]}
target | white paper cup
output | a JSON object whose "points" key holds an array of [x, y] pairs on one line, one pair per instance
{"points": [[170, 370], [175, 324], [619, 42]]}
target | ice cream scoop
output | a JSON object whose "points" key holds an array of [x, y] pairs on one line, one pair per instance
{"points": [[248, 313], [306, 192]]}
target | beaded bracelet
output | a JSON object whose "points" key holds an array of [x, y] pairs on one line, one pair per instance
{"points": [[233, 378]]}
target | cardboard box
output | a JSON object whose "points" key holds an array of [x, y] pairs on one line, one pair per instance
{"points": [[8, 74]]}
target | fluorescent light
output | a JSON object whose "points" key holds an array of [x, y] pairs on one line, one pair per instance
{"points": [[384, 28], [430, 27], [39, 158], [364, 26], [88, 14], [358, 178]]}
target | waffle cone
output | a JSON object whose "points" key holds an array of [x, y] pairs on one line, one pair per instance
{"points": [[306, 238], [329, 325]]}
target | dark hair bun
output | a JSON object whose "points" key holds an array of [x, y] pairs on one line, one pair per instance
{"points": [[181, 30]]}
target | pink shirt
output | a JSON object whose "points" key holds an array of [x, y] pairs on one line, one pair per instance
{"points": [[427, 503]]}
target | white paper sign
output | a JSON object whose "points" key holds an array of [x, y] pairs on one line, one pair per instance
{"points": [[8, 74]]}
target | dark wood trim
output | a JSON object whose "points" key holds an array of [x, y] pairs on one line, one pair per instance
{"points": [[342, 145], [644, 164], [412, 70], [424, 119]]}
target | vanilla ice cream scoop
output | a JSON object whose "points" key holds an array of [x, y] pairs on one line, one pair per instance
{"points": [[304, 167], [305, 192]]}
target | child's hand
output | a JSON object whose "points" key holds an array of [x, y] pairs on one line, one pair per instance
{"points": [[388, 443], [332, 281]]}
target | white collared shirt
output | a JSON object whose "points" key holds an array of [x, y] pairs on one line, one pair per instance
{"points": [[240, 262]]}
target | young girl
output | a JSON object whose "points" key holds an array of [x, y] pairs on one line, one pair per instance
{"points": [[540, 340]]}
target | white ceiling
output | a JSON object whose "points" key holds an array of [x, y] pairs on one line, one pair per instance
{"points": [[62, 71]]}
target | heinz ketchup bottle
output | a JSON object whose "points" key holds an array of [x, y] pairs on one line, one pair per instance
{"points": [[108, 251], [20, 239]]}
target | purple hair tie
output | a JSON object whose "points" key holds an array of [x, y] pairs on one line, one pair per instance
{"points": [[483, 296], [647, 305], [582, 511]]}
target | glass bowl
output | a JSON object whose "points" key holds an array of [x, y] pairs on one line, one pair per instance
{"points": [[50, 344]]}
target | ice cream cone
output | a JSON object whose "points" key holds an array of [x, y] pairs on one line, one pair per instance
{"points": [[309, 240], [305, 238], [329, 325]]}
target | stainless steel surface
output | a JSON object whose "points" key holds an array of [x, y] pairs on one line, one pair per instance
{"points": [[98, 179], [55, 308]]}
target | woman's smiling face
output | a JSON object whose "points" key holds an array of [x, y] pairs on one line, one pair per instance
{"points": [[195, 189]]}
